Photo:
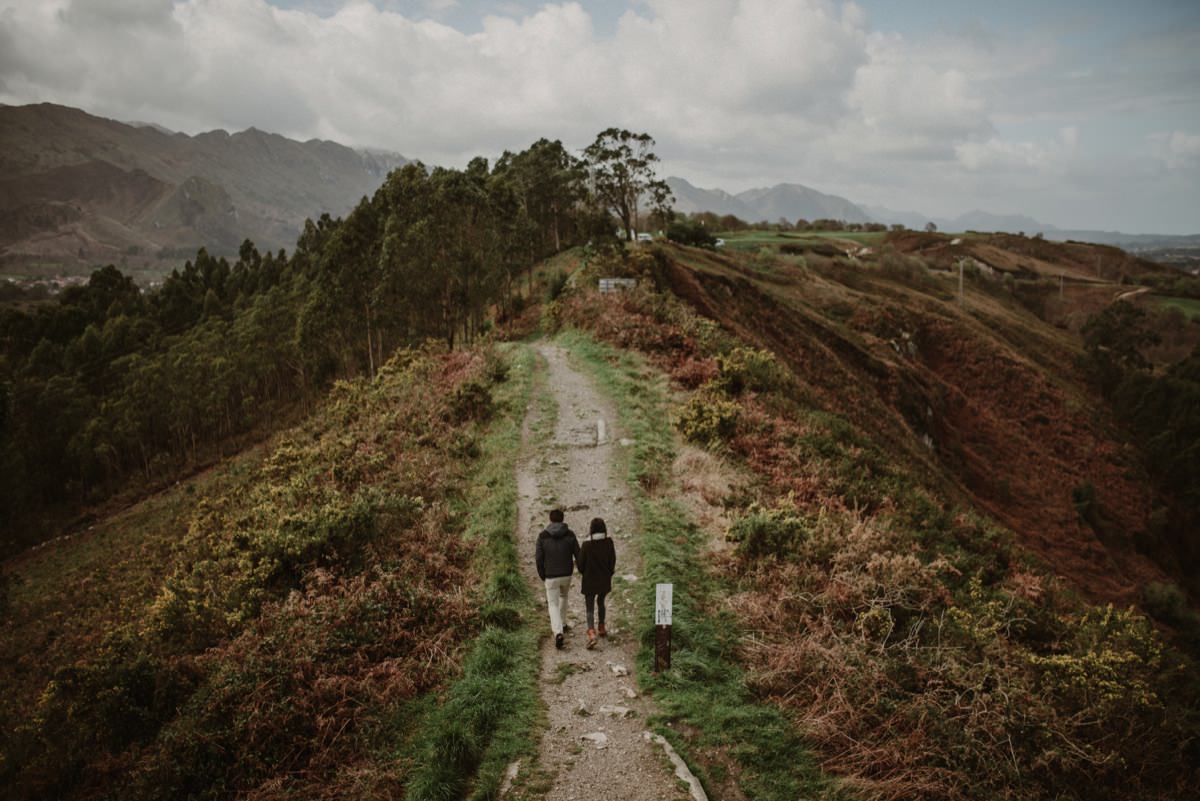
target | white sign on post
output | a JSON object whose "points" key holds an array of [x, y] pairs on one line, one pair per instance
{"points": [[662, 604]]}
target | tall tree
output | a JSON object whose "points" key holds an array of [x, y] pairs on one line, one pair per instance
{"points": [[549, 182], [621, 170]]}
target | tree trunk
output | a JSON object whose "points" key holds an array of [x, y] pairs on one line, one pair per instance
{"points": [[370, 346], [557, 242]]}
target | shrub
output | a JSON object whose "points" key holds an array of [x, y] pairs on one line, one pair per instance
{"points": [[1166, 602], [472, 400], [749, 369], [690, 232], [708, 419], [1084, 498], [762, 532], [903, 269], [555, 284]]}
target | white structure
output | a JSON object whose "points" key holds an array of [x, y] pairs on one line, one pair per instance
{"points": [[608, 285]]}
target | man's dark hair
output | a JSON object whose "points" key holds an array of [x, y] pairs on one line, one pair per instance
{"points": [[556, 515]]}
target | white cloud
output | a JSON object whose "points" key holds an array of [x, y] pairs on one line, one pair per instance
{"points": [[718, 74], [737, 92], [1177, 150]]}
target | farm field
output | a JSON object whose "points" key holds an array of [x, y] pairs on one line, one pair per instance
{"points": [[752, 240], [1189, 306]]}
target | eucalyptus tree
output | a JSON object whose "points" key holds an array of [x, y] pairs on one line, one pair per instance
{"points": [[621, 172]]}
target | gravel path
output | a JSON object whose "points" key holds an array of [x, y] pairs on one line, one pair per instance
{"points": [[595, 745]]}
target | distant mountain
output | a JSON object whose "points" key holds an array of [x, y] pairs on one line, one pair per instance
{"points": [[76, 190], [789, 201], [1014, 223], [795, 201], [909, 219], [690, 199], [976, 220]]}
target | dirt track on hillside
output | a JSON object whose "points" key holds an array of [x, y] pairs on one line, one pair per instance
{"points": [[594, 745]]}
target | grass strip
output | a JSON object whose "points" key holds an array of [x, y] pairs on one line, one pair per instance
{"points": [[731, 731], [489, 716]]}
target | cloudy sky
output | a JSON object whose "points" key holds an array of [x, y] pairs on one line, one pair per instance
{"points": [[1081, 113]]}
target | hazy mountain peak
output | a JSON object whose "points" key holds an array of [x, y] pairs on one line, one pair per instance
{"points": [[790, 201], [132, 191]]}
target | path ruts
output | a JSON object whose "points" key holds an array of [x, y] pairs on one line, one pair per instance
{"points": [[595, 745]]}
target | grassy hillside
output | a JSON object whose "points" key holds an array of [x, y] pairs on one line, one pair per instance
{"points": [[278, 626], [930, 566], [925, 571]]}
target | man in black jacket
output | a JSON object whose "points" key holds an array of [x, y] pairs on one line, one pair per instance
{"points": [[557, 549]]}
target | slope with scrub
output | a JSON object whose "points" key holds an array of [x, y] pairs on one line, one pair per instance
{"points": [[908, 567], [296, 629]]}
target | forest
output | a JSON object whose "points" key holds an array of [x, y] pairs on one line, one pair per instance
{"points": [[112, 383]]}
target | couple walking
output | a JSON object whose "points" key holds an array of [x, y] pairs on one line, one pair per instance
{"points": [[558, 554]]}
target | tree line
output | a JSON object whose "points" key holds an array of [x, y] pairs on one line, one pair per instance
{"points": [[731, 222], [111, 382]]}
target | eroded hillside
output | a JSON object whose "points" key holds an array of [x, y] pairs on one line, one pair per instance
{"points": [[984, 397], [938, 533]]}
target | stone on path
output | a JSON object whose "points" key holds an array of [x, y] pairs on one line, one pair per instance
{"points": [[619, 670], [510, 776], [599, 738], [681, 769], [615, 711]]}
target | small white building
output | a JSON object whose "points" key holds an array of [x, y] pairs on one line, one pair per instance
{"points": [[608, 285]]}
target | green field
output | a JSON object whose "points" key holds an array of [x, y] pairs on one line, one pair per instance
{"points": [[753, 240], [1189, 306]]}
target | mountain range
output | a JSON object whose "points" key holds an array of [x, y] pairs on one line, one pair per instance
{"points": [[792, 201], [786, 201], [77, 190]]}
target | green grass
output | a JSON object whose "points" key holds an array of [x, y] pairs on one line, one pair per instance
{"points": [[753, 240], [705, 689], [1189, 306], [490, 714]]}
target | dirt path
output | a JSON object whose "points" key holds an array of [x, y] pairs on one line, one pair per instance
{"points": [[595, 745]]}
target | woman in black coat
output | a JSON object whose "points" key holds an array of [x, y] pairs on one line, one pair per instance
{"points": [[597, 560]]}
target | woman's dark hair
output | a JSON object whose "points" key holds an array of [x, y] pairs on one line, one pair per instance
{"points": [[597, 526]]}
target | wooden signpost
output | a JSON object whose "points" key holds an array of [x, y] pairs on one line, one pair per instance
{"points": [[662, 626]]}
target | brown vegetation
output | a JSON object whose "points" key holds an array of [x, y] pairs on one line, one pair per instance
{"points": [[894, 441]]}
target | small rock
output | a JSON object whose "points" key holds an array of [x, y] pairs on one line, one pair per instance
{"points": [[626, 442], [598, 737], [555, 461], [629, 692], [615, 711], [510, 776], [583, 711], [619, 670], [629, 577]]}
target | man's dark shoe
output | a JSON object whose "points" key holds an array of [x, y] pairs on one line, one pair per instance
{"points": [[558, 641]]}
